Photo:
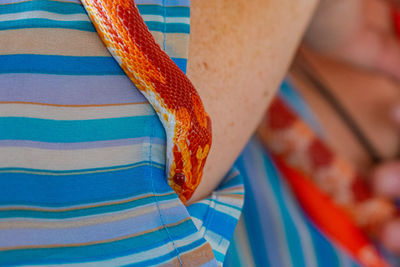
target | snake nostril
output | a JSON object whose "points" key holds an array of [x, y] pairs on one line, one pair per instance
{"points": [[179, 178]]}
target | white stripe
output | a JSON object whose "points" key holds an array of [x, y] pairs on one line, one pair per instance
{"points": [[157, 18], [197, 222], [217, 242], [134, 258], [233, 201], [229, 211], [46, 159], [80, 206], [74, 113], [241, 239], [304, 234], [87, 220], [44, 15], [271, 205]]}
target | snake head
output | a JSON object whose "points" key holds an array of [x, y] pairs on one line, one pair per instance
{"points": [[190, 149]]}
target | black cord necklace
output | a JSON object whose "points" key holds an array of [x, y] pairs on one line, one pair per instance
{"points": [[307, 71]]}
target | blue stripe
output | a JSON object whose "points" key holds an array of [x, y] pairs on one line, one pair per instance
{"points": [[49, 6], [198, 210], [100, 251], [181, 63], [233, 255], [86, 25], [324, 251], [183, 3], [164, 11], [84, 211], [65, 131], [168, 27], [297, 103], [261, 232], [67, 65], [78, 171], [213, 223], [61, 191], [226, 204], [46, 23], [291, 233], [219, 256], [73, 8]]}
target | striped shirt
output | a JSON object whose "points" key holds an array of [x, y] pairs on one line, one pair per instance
{"points": [[274, 230], [82, 153]]}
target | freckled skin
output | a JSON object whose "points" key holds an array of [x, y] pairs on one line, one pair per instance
{"points": [[238, 54]]}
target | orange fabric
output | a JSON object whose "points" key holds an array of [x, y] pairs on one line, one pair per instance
{"points": [[396, 20], [330, 218]]}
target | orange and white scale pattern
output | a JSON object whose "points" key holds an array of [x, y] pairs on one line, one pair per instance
{"points": [[169, 91]]}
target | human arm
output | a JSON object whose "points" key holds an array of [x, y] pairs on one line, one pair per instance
{"points": [[239, 53]]}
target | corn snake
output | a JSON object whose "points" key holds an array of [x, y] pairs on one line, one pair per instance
{"points": [[172, 95]]}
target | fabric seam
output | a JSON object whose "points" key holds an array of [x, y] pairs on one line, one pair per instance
{"points": [[165, 26], [151, 144], [209, 214]]}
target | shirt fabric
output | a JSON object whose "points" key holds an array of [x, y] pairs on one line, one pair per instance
{"points": [[274, 230], [82, 152], [82, 159]]}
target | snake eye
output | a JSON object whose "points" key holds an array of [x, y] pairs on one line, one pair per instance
{"points": [[179, 178]]}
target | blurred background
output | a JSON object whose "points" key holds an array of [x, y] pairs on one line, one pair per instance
{"points": [[336, 123]]}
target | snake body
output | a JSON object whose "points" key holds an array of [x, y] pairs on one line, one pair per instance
{"points": [[165, 86]]}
